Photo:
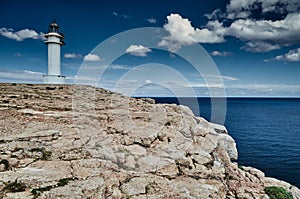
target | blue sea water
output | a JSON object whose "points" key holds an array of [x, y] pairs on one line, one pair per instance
{"points": [[266, 130]]}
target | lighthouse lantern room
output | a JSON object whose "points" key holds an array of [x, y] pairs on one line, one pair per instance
{"points": [[54, 40]]}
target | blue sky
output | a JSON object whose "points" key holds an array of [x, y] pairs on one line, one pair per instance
{"points": [[254, 45]]}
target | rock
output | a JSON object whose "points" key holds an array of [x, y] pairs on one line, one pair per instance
{"points": [[226, 142], [90, 188], [3, 167], [219, 128], [259, 174], [135, 186], [18, 195], [25, 162], [136, 150], [13, 162], [112, 146], [30, 112]]}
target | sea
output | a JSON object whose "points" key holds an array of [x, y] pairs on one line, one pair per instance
{"points": [[266, 131]]}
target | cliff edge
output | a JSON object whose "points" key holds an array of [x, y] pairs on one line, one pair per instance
{"points": [[55, 143]]}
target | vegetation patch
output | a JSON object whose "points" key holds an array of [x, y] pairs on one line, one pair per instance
{"points": [[6, 164], [241, 168], [37, 192], [62, 182], [278, 193], [45, 154], [14, 186]]}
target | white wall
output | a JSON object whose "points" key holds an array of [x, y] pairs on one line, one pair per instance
{"points": [[53, 57]]}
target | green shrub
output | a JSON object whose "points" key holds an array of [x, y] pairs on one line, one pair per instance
{"points": [[62, 182], [15, 186], [278, 193], [45, 154], [37, 192], [241, 167]]}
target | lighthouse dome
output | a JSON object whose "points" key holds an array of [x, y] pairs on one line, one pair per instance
{"points": [[53, 27]]}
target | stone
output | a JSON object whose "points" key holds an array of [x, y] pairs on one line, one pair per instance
{"points": [[136, 150], [259, 174], [93, 143], [227, 142], [18, 195], [135, 186]]}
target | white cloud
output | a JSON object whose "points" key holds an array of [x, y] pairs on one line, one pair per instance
{"points": [[21, 76], [260, 46], [91, 57], [283, 32], [261, 35], [291, 56], [182, 33], [72, 55], [263, 90], [216, 14], [21, 34], [152, 20], [224, 77], [121, 15], [119, 67], [203, 85], [147, 81], [236, 7], [138, 50], [219, 53]]}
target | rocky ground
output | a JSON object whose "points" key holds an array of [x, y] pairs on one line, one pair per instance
{"points": [[63, 141]]}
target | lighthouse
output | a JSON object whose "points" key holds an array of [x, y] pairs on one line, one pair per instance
{"points": [[54, 40]]}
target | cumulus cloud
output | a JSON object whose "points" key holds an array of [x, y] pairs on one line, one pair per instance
{"points": [[152, 20], [72, 55], [260, 46], [291, 56], [244, 8], [21, 34], [282, 32], [182, 33], [138, 50], [91, 57], [236, 7], [261, 35], [219, 53]]}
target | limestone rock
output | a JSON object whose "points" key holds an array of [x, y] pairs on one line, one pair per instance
{"points": [[72, 141]]}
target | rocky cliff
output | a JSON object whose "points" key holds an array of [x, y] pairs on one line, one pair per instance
{"points": [[57, 144]]}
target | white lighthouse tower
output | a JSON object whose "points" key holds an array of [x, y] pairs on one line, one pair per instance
{"points": [[54, 40]]}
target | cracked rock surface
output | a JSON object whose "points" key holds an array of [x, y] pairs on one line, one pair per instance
{"points": [[70, 141]]}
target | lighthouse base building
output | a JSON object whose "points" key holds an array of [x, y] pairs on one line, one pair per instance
{"points": [[54, 40], [54, 79]]}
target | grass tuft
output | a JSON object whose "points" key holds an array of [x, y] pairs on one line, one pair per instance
{"points": [[14, 186], [278, 193]]}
